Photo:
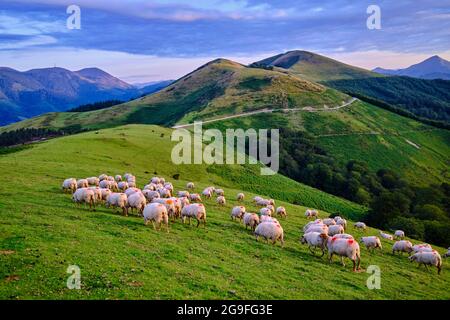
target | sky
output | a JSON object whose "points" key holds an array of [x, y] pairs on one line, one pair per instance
{"points": [[151, 40]]}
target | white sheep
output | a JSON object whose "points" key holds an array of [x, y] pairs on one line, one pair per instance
{"points": [[150, 186], [93, 181], [110, 178], [344, 248], [168, 203], [84, 195], [221, 200], [183, 194], [315, 222], [219, 192], [372, 242], [194, 210], [190, 185], [270, 231], [82, 183], [157, 214], [137, 201], [432, 258], [122, 185], [184, 201], [386, 236], [322, 228], [155, 180], [118, 178], [402, 246], [164, 193], [207, 193], [311, 213], [265, 212], [256, 199], [447, 254], [268, 219], [69, 185], [251, 220], [360, 225], [103, 177], [118, 200], [168, 186], [178, 205], [281, 211], [315, 240], [97, 193], [131, 184], [422, 247], [240, 196], [105, 193], [132, 190], [335, 229], [237, 212], [195, 197], [342, 222], [329, 222], [399, 234], [343, 236], [150, 194]]}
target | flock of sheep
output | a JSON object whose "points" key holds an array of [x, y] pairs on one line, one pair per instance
{"points": [[156, 204]]}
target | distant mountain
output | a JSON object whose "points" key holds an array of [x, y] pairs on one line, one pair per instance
{"points": [[432, 68], [34, 92]]}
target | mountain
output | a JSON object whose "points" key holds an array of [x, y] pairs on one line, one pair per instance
{"points": [[30, 93], [434, 67]]}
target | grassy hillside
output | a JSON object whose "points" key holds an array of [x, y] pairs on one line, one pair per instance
{"points": [[42, 233]]}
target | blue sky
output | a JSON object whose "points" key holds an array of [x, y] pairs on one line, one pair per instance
{"points": [[142, 40]]}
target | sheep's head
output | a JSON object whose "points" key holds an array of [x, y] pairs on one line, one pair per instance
{"points": [[303, 239], [413, 258]]}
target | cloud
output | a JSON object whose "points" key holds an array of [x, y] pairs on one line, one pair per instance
{"points": [[28, 42]]}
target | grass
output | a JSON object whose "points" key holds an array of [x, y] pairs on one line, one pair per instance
{"points": [[42, 232]]}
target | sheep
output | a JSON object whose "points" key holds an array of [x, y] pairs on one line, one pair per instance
{"points": [[432, 258], [221, 200], [194, 210], [132, 190], [265, 212], [130, 178], [263, 202], [402, 246], [335, 229], [155, 180], [168, 186], [237, 212], [97, 193], [271, 208], [126, 176], [93, 181], [422, 247], [329, 222], [256, 199], [183, 194], [270, 231], [118, 200], [251, 220], [150, 186], [268, 219], [105, 193], [84, 195], [447, 254], [195, 197], [164, 193], [131, 184], [240, 196], [150, 194], [219, 192], [105, 184], [137, 201], [82, 183], [342, 222], [360, 225], [281, 211], [386, 236], [336, 218], [118, 178], [315, 222], [110, 178], [122, 185], [399, 234], [344, 248], [178, 205], [168, 203], [69, 185], [343, 236], [102, 177], [157, 214], [310, 213], [190, 185], [315, 240], [207, 193], [372, 242], [184, 201], [322, 228]]}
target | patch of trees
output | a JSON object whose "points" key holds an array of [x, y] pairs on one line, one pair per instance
{"points": [[28, 135], [96, 106], [422, 212]]}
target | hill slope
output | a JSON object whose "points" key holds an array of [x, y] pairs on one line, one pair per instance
{"points": [[42, 233]]}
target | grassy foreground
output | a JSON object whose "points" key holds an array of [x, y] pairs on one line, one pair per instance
{"points": [[42, 233]]}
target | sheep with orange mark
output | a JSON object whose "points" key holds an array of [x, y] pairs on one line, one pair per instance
{"points": [[315, 240], [344, 248], [221, 200], [386, 235], [251, 220], [281, 211], [399, 234], [372, 243], [240, 196], [270, 231], [69, 185], [432, 258], [178, 205], [137, 201], [195, 197], [237, 212], [360, 225], [82, 183], [335, 229], [118, 200], [194, 210], [190, 185], [84, 195], [311, 213], [402, 246], [168, 203], [156, 213]]}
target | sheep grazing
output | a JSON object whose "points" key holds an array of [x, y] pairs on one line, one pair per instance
{"points": [[178, 205], [267, 219], [219, 192], [310, 213], [168, 203], [281, 211], [150, 186], [386, 236], [105, 193], [422, 247], [194, 210], [157, 214], [251, 220], [360, 225], [432, 258], [93, 181], [195, 197], [240, 196], [221, 200], [336, 218], [207, 193], [237, 212], [118, 200], [164, 193], [270, 231], [110, 178], [184, 201], [317, 227], [131, 184], [342, 222], [150, 194], [329, 222], [344, 248], [84, 195], [315, 240], [265, 212], [402, 246], [399, 234], [190, 185], [264, 202], [137, 201], [168, 186], [118, 178], [155, 180], [132, 190], [69, 185], [82, 183], [335, 229], [315, 222], [343, 236], [103, 177], [447, 254], [122, 185], [256, 199], [97, 193], [372, 243], [183, 194]]}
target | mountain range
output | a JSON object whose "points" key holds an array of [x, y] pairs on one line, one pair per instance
{"points": [[434, 67], [34, 92]]}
